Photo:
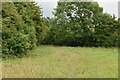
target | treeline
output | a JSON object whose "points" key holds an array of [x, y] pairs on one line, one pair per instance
{"points": [[82, 24], [74, 24]]}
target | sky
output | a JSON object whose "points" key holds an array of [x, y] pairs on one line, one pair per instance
{"points": [[109, 6]]}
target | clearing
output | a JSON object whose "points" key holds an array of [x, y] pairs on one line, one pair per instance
{"points": [[64, 62]]}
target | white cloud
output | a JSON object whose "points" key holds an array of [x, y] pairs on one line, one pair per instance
{"points": [[107, 0], [110, 7], [77, 0], [46, 0]]}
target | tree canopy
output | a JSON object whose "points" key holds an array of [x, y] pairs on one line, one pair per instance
{"points": [[82, 24]]}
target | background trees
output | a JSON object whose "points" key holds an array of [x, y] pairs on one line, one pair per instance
{"points": [[82, 24], [106, 30]]}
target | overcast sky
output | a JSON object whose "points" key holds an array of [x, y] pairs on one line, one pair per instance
{"points": [[109, 6]]}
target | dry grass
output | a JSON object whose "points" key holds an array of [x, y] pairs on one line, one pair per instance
{"points": [[64, 62]]}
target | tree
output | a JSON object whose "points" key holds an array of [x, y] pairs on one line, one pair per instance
{"points": [[105, 30], [74, 23], [31, 14], [21, 27], [82, 24], [49, 31]]}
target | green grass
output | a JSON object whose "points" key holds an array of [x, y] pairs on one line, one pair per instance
{"points": [[64, 62]]}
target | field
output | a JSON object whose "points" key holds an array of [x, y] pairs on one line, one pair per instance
{"points": [[64, 62]]}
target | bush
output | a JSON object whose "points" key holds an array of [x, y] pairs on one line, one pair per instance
{"points": [[16, 45], [21, 27]]}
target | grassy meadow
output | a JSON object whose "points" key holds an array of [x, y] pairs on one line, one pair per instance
{"points": [[64, 62]]}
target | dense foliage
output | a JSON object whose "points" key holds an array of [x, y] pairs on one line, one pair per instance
{"points": [[82, 24], [22, 26], [73, 24]]}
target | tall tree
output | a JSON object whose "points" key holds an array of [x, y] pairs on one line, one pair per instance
{"points": [[74, 22], [31, 14], [82, 24], [22, 26]]}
